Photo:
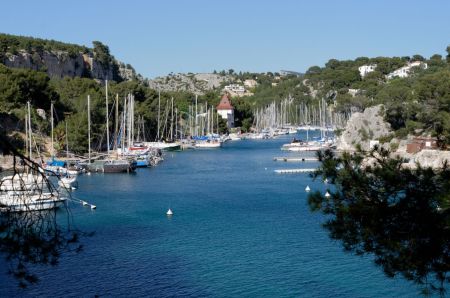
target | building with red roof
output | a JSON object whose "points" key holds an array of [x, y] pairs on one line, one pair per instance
{"points": [[226, 110]]}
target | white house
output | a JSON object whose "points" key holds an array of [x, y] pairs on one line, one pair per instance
{"points": [[250, 83], [365, 69], [235, 89], [404, 71], [226, 110], [354, 92]]}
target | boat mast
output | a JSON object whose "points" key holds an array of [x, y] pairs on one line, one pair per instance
{"points": [[89, 127], [29, 130], [107, 118], [67, 143], [51, 121], [196, 114], [26, 132], [176, 123], [159, 111], [117, 123], [171, 123]]}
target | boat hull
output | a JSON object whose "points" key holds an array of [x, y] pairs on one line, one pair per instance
{"points": [[26, 202]]}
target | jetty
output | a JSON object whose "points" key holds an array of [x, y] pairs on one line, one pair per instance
{"points": [[296, 159], [295, 171]]}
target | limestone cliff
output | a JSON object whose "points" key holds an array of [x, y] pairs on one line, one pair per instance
{"points": [[62, 59], [364, 127], [196, 83]]}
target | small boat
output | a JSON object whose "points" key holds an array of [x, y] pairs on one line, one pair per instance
{"points": [[166, 146], [307, 189], [112, 166], [67, 182], [26, 201], [234, 137], [20, 182], [208, 144], [169, 212]]}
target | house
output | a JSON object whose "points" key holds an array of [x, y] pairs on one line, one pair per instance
{"points": [[235, 90], [420, 143], [365, 69], [404, 71], [250, 83], [354, 92], [226, 110]]}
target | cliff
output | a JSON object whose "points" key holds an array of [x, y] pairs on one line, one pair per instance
{"points": [[364, 127], [196, 83], [60, 60]]}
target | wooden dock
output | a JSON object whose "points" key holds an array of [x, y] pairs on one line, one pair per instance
{"points": [[294, 171], [296, 159]]}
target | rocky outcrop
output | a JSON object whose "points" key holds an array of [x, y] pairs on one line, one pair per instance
{"points": [[195, 83], [362, 128], [56, 64], [59, 64]]}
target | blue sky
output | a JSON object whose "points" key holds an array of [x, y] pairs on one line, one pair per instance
{"points": [[159, 37]]}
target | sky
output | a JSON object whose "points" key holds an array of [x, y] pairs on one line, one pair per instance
{"points": [[158, 37]]}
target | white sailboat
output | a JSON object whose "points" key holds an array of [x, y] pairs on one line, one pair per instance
{"points": [[27, 191], [67, 182]]}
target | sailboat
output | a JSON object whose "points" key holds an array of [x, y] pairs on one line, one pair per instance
{"points": [[208, 138], [108, 165], [27, 191], [159, 143]]}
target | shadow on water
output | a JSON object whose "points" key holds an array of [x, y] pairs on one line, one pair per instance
{"points": [[398, 215]]}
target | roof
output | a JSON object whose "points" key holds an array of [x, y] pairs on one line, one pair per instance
{"points": [[225, 103]]}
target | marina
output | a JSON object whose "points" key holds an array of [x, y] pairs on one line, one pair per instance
{"points": [[294, 171], [256, 234], [296, 159]]}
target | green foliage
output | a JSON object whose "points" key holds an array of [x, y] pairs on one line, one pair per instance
{"points": [[398, 215], [243, 114], [17, 86], [13, 43]]}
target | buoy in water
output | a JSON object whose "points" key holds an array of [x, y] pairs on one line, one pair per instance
{"points": [[307, 189], [93, 207], [327, 195], [169, 212], [88, 173], [325, 181], [84, 203]]}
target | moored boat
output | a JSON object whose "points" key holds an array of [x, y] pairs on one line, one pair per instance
{"points": [[26, 201]]}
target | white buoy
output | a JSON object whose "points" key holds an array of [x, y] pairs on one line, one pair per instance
{"points": [[307, 189], [93, 207], [325, 181], [169, 212], [327, 194], [84, 203], [88, 173]]}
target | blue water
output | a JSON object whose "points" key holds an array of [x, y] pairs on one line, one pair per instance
{"points": [[238, 230]]}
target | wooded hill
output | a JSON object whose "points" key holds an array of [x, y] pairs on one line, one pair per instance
{"points": [[418, 104]]}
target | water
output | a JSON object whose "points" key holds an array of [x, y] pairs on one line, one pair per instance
{"points": [[238, 230]]}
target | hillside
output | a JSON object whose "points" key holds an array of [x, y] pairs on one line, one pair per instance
{"points": [[415, 91], [199, 83], [61, 60]]}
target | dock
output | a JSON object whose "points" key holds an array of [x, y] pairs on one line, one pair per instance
{"points": [[295, 159], [295, 171]]}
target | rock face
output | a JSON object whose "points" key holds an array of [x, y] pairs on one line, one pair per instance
{"points": [[59, 64], [431, 158], [362, 128], [195, 83]]}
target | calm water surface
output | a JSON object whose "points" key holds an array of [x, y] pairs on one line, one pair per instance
{"points": [[238, 230]]}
